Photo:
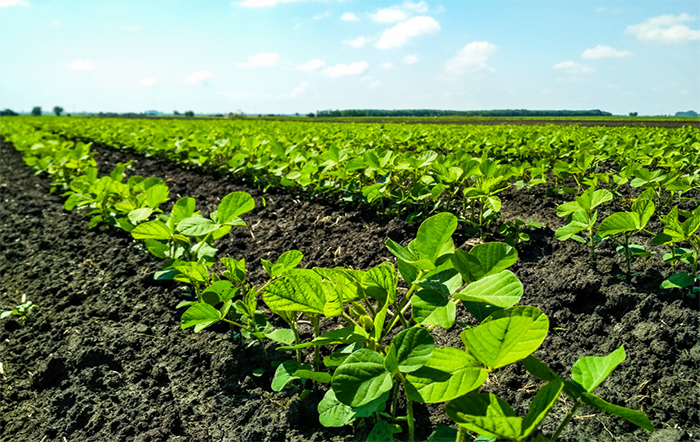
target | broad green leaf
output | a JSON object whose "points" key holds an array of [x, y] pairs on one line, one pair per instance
{"points": [[569, 230], [200, 315], [296, 293], [503, 289], [448, 374], [483, 260], [322, 377], [197, 225], [619, 222], [539, 369], [443, 433], [285, 374], [192, 272], [446, 282], [218, 292], [183, 208], [691, 226], [151, 230], [433, 233], [431, 308], [567, 209], [678, 281], [138, 215], [382, 431], [541, 404], [636, 417], [332, 412], [590, 371], [361, 378], [507, 336], [644, 207], [282, 335], [290, 259], [380, 282], [411, 348], [157, 195], [233, 205], [486, 414]]}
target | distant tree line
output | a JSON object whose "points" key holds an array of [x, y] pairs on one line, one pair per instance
{"points": [[453, 113]]}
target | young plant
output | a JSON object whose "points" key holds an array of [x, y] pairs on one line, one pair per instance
{"points": [[621, 226], [22, 310], [676, 232], [582, 216], [513, 231]]}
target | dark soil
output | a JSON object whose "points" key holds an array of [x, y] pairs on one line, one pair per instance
{"points": [[103, 358]]}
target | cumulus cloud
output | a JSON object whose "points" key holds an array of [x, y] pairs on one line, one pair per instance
{"points": [[665, 29], [388, 15], [198, 77], [400, 34], [370, 82], [263, 3], [81, 65], [573, 68], [471, 58], [299, 90], [311, 65], [410, 59], [8, 3], [601, 51], [356, 42], [349, 16], [387, 66], [341, 70], [149, 81], [419, 8], [261, 59]]}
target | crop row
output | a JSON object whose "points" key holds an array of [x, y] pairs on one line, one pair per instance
{"points": [[382, 347]]}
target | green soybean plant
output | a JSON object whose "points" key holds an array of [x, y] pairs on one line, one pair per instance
{"points": [[488, 415], [582, 216], [621, 226], [676, 232]]}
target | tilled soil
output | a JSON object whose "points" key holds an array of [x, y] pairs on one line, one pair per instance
{"points": [[103, 358]]}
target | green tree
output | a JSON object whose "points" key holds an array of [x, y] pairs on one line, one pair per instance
{"points": [[189, 114], [633, 114], [58, 110], [36, 111]]}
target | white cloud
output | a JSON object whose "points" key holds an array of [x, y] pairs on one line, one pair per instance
{"points": [[198, 77], [263, 3], [389, 15], [665, 29], [400, 34], [601, 51], [299, 90], [81, 65], [410, 59], [349, 16], [471, 58], [311, 65], [573, 68], [356, 42], [341, 70], [387, 66], [8, 3], [149, 81], [260, 59], [419, 8], [370, 82]]}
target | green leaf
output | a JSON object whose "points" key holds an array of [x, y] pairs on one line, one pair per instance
{"points": [[567, 209], [138, 215], [448, 374], [332, 412], [432, 235], [503, 289], [219, 292], [411, 348], [152, 230], [431, 308], [678, 281], [282, 335], [197, 225], [381, 432], [541, 404], [233, 205], [192, 273], [183, 208], [636, 417], [644, 207], [285, 374], [569, 230], [361, 378], [380, 282], [296, 293], [590, 371], [486, 414], [345, 335], [539, 369], [507, 336], [484, 260], [322, 377], [443, 433], [619, 222], [200, 315], [157, 195]]}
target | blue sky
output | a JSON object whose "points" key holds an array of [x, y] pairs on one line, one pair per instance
{"points": [[287, 56]]}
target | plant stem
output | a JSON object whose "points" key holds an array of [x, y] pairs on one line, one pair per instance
{"points": [[395, 399], [565, 422], [317, 356], [461, 434], [409, 416]]}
